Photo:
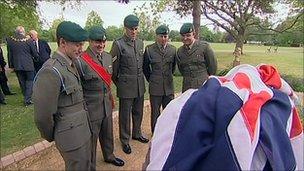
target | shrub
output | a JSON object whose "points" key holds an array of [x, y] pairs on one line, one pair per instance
{"points": [[296, 83]]}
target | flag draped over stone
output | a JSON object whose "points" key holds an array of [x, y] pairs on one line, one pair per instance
{"points": [[246, 120]]}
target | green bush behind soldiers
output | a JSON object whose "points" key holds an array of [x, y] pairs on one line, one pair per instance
{"points": [[59, 108], [95, 69], [128, 77], [195, 59], [159, 66]]}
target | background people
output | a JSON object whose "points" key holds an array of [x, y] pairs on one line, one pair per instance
{"points": [[3, 79], [43, 50], [21, 56]]}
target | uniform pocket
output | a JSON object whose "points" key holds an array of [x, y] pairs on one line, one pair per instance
{"points": [[72, 131]]}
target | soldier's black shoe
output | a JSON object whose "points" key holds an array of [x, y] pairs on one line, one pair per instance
{"points": [[141, 139], [126, 148], [3, 102], [116, 162], [28, 103]]}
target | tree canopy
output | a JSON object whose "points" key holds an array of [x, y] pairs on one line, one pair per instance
{"points": [[93, 19], [236, 17]]}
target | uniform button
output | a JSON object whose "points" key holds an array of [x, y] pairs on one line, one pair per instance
{"points": [[137, 59]]}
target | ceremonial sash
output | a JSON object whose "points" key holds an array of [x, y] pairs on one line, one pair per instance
{"points": [[101, 72]]}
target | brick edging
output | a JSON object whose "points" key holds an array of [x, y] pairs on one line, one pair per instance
{"points": [[40, 146]]}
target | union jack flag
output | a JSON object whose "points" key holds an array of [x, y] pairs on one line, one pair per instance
{"points": [[246, 120]]}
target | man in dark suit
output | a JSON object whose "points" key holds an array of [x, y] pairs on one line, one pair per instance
{"points": [[21, 54], [3, 78], [43, 50]]}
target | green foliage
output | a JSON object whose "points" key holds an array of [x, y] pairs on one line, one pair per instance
{"points": [[174, 36], [52, 30], [207, 35], [149, 20], [93, 19], [114, 32], [296, 83], [15, 13], [45, 35], [293, 36]]}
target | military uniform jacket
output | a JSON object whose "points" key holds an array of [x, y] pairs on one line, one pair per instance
{"points": [[96, 93], [59, 109], [196, 64], [159, 66], [128, 67]]}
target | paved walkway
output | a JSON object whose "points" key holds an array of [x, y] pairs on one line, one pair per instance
{"points": [[50, 158]]}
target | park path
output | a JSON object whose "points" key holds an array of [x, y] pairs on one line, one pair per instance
{"points": [[50, 158]]}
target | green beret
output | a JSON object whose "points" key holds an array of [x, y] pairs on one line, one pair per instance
{"points": [[71, 32], [163, 29], [186, 28], [131, 21], [97, 33]]}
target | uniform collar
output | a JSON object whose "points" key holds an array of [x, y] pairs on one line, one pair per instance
{"points": [[65, 58], [92, 53], [94, 56], [161, 47], [128, 39], [191, 45]]}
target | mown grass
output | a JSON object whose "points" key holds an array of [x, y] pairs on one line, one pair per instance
{"points": [[18, 129]]}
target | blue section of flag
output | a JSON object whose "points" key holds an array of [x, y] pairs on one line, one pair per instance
{"points": [[273, 138], [200, 140]]}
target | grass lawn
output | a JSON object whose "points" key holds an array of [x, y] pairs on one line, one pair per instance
{"points": [[18, 129]]}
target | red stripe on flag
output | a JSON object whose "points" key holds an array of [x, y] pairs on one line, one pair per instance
{"points": [[251, 109], [270, 76], [296, 127]]}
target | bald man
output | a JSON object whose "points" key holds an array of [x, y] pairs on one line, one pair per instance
{"points": [[43, 50]]}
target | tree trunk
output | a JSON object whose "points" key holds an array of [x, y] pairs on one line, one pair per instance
{"points": [[196, 13], [240, 42]]}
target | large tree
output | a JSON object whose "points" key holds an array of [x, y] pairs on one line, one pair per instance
{"points": [[236, 16]]}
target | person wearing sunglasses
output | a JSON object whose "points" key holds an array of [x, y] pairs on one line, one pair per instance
{"points": [[127, 53], [195, 59]]}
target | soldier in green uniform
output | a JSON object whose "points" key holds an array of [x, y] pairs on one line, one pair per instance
{"points": [[195, 59], [59, 109], [159, 66], [94, 67], [128, 77]]}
